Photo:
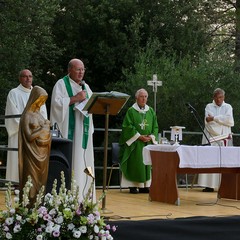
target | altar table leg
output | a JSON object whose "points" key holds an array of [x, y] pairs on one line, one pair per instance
{"points": [[229, 187], [164, 177]]}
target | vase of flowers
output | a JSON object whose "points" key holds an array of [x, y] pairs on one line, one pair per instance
{"points": [[55, 215]]}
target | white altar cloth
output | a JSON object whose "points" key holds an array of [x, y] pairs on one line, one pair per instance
{"points": [[159, 147], [198, 156]]}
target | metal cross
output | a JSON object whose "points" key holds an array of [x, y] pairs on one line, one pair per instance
{"points": [[155, 83], [143, 124]]}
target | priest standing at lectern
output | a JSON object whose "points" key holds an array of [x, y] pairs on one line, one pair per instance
{"points": [[69, 92], [218, 121], [139, 129]]}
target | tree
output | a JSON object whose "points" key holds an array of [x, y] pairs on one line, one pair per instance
{"points": [[26, 41], [120, 42], [237, 46], [185, 79]]}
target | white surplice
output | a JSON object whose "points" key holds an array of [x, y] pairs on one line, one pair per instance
{"points": [[81, 158], [16, 101], [222, 123]]}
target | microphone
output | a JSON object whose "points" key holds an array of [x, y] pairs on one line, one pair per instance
{"points": [[190, 107], [82, 83]]}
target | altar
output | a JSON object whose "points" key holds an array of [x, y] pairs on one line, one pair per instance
{"points": [[169, 160]]}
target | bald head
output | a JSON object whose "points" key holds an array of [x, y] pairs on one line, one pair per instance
{"points": [[76, 70]]}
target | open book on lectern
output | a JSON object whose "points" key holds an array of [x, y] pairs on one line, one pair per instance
{"points": [[99, 101]]}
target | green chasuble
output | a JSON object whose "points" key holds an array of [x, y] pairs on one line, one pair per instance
{"points": [[131, 158]]}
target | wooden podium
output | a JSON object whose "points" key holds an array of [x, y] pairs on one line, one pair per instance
{"points": [[109, 103]]}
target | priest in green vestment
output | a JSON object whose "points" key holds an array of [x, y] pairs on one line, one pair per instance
{"points": [[139, 129]]}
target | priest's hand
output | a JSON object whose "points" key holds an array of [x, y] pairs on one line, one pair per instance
{"points": [[145, 138], [209, 118], [79, 97]]}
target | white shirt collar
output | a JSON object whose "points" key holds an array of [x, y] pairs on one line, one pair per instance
{"points": [[146, 108], [214, 103], [21, 87]]}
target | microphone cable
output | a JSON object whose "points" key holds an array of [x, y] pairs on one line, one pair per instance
{"points": [[86, 176], [218, 143], [220, 166]]}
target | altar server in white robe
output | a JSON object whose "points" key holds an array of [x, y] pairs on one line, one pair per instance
{"points": [[218, 121], [16, 101], [67, 94]]}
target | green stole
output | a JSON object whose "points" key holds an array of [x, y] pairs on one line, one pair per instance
{"points": [[71, 123]]}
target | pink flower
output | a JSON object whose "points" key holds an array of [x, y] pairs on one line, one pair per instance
{"points": [[78, 212], [42, 210], [90, 218], [56, 233], [47, 217]]}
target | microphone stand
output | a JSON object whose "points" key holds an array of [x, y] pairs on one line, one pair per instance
{"points": [[196, 116]]}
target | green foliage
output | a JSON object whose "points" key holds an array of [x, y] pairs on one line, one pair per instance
{"points": [[187, 43], [26, 41], [185, 79], [97, 32]]}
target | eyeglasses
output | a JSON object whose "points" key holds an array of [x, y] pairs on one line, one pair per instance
{"points": [[80, 69]]}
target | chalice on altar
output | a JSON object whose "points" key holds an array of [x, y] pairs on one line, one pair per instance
{"points": [[176, 134]]}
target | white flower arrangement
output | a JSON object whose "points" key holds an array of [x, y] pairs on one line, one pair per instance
{"points": [[53, 216]]}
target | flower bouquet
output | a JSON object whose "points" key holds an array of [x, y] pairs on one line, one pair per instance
{"points": [[53, 216]]}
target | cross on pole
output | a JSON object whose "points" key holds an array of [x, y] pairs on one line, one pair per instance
{"points": [[155, 84]]}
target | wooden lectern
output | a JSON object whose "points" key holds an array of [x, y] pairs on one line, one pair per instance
{"points": [[106, 103]]}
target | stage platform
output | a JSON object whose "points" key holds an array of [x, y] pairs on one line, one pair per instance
{"points": [[201, 215], [194, 202]]}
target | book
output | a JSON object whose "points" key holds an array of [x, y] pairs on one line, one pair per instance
{"points": [[99, 100], [219, 138]]}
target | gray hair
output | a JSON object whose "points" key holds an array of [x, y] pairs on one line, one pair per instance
{"points": [[139, 91], [21, 72], [218, 91]]}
